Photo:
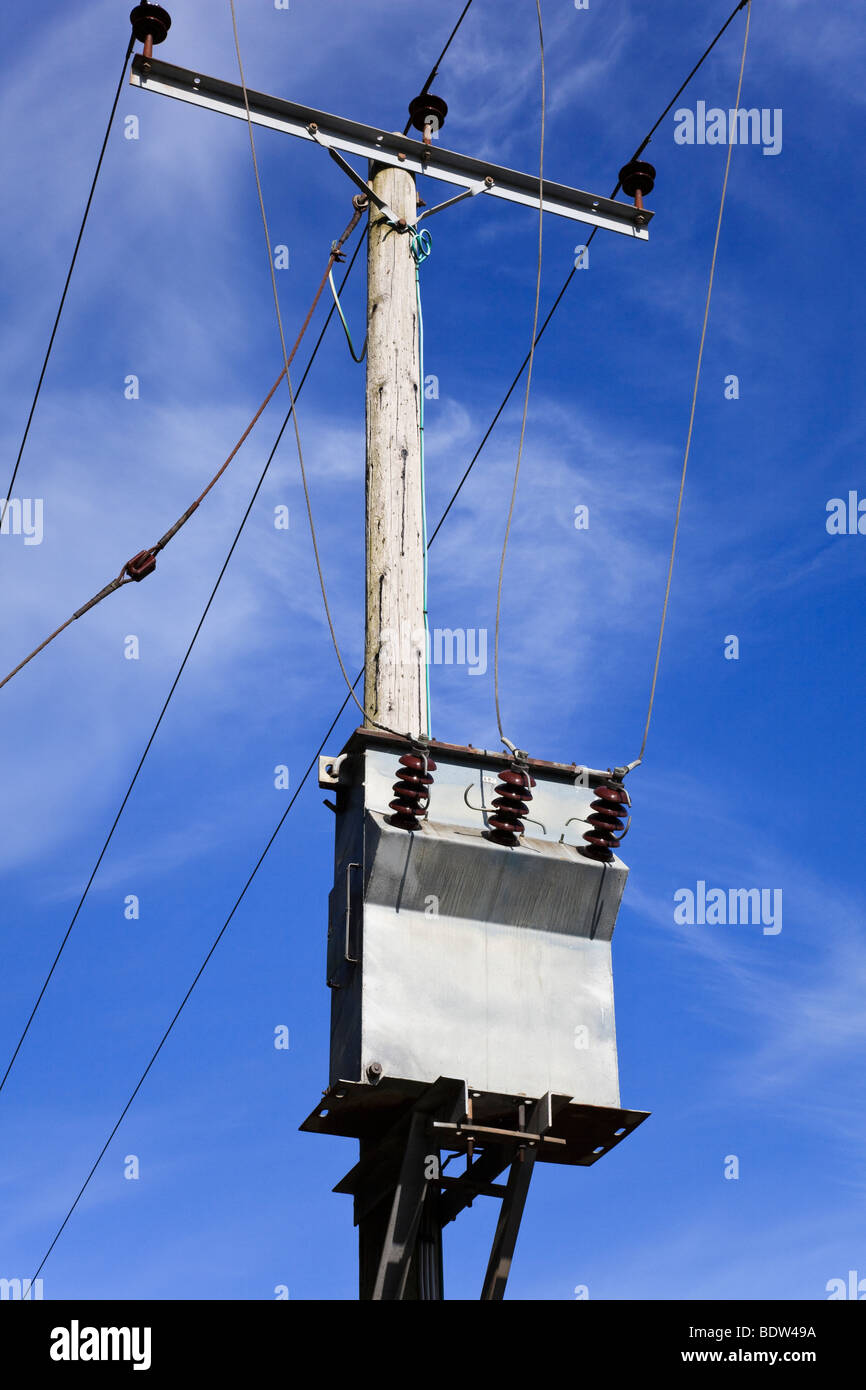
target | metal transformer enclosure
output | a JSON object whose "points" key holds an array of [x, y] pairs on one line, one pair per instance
{"points": [[450, 955]]}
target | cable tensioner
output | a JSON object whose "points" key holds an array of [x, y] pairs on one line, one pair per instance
{"points": [[140, 566]]}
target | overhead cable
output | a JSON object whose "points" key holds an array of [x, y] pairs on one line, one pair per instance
{"points": [[8, 496], [435, 68], [679, 506], [531, 359]]}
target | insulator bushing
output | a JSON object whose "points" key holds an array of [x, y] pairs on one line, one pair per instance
{"points": [[412, 790], [511, 797], [606, 826], [637, 177], [427, 107], [141, 565], [150, 21]]}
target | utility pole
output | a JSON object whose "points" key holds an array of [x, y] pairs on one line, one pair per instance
{"points": [[395, 651], [395, 686], [469, 957], [395, 656]]}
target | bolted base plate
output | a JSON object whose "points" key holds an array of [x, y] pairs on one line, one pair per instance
{"points": [[580, 1135]]}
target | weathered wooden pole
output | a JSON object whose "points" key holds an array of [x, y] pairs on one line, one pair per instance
{"points": [[395, 685], [395, 675]]}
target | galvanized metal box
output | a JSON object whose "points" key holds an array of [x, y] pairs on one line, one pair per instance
{"points": [[451, 955]]}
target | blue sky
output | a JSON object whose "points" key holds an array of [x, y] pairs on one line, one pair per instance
{"points": [[740, 1043]]}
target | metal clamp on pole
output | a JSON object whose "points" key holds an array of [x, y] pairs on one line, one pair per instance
{"points": [[399, 224], [471, 191]]}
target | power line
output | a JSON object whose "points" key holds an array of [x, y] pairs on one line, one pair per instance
{"points": [[78, 239], [433, 71], [706, 53], [528, 386], [694, 397], [174, 684]]}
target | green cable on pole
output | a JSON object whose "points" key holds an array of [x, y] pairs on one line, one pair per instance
{"points": [[421, 244], [355, 356]]}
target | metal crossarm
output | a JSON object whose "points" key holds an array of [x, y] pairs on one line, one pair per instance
{"points": [[387, 147]]}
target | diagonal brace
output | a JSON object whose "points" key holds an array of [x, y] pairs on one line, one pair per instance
{"points": [[405, 1216], [516, 1192]]}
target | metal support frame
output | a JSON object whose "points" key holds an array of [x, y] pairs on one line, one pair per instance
{"points": [[388, 147], [404, 1219], [514, 1200], [401, 1176]]}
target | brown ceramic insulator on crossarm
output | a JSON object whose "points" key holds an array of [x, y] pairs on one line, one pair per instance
{"points": [[427, 109], [150, 25], [412, 790], [637, 179]]}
